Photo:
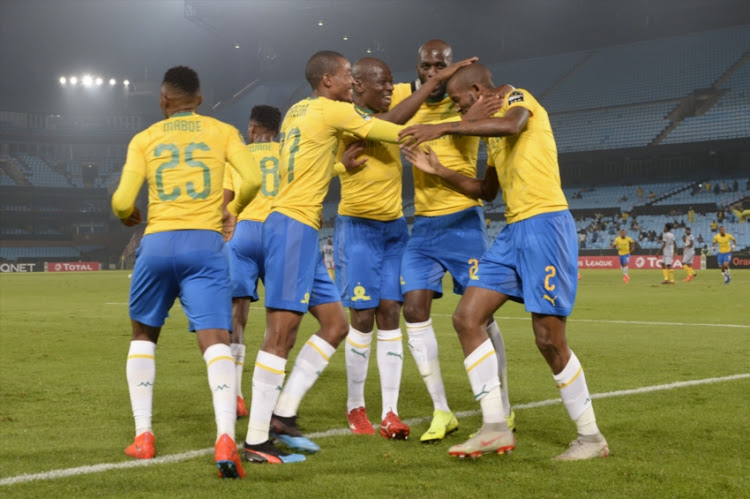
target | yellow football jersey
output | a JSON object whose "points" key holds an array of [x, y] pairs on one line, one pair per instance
{"points": [[266, 155], [623, 245], [724, 242], [310, 134], [434, 196], [183, 159], [374, 190], [526, 163]]}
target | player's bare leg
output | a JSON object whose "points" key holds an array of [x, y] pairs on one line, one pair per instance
{"points": [[549, 333]]}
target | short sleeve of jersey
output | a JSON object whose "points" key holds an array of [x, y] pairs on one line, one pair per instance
{"points": [[630, 241], [346, 116], [517, 98]]}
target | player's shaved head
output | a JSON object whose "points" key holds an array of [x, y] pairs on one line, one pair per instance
{"points": [[432, 47], [367, 67], [472, 74], [322, 63]]}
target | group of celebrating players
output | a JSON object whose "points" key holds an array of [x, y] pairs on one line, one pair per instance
{"points": [[267, 204]]}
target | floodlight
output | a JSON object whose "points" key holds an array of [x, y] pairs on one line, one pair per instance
{"points": [[73, 80], [63, 80], [112, 82], [126, 82], [99, 80], [87, 80]]}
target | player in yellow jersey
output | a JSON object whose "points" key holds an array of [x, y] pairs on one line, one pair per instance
{"points": [[296, 279], [624, 246], [370, 237], [726, 243], [534, 259], [244, 243], [448, 234], [182, 254]]}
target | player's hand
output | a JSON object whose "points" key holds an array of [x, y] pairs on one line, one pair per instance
{"points": [[349, 158], [448, 71], [414, 135], [424, 159], [484, 107], [134, 218], [228, 223]]}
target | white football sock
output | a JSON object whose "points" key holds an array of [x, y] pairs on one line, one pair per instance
{"points": [[238, 352], [502, 365], [310, 364], [390, 364], [575, 396], [268, 378], [357, 356], [221, 380], [481, 366], [141, 373], [424, 348]]}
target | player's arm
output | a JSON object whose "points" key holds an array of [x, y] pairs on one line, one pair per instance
{"points": [[428, 162], [228, 221], [344, 116], [131, 180], [244, 163], [512, 123], [631, 246], [404, 110]]}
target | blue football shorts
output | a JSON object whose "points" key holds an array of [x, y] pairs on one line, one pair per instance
{"points": [[535, 262], [296, 277], [448, 243], [246, 263], [189, 264], [722, 258], [367, 255]]}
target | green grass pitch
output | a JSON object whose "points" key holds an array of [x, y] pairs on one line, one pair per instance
{"points": [[65, 413]]}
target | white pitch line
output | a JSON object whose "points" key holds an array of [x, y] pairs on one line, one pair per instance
{"points": [[174, 458], [612, 321]]}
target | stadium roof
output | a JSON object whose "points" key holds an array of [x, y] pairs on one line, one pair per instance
{"points": [[232, 42]]}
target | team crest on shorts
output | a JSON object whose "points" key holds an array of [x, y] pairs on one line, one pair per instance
{"points": [[360, 293]]}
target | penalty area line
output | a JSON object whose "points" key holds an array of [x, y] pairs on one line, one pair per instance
{"points": [[183, 456]]}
